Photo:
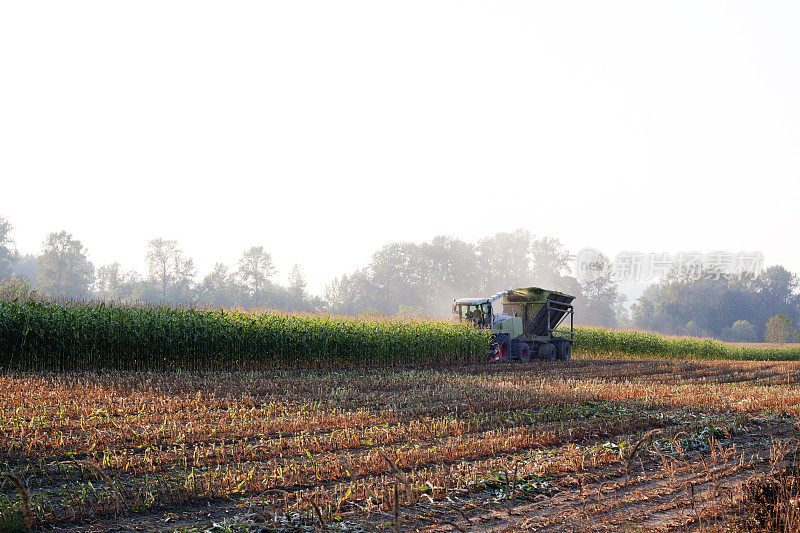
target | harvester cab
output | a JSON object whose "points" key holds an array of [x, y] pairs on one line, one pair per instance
{"points": [[527, 326]]}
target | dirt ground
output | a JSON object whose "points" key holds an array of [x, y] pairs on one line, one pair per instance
{"points": [[585, 445]]}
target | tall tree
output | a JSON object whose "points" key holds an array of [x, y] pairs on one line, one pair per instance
{"points": [[424, 278], [27, 267], [218, 287], [601, 302], [400, 273], [297, 283], [183, 275], [643, 313], [551, 261], [255, 272], [714, 304], [113, 283], [743, 331], [778, 287], [552, 267], [452, 272], [8, 255], [505, 260], [453, 264], [161, 256], [64, 269], [353, 294], [781, 329]]}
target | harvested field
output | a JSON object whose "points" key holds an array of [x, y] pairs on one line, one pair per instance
{"points": [[587, 444]]}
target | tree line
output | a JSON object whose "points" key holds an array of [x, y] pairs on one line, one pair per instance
{"points": [[403, 278], [420, 279], [62, 270], [743, 308]]}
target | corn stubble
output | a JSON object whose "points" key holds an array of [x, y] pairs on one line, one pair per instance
{"points": [[376, 443], [331, 416]]}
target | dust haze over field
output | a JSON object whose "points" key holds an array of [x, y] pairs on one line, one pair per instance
{"points": [[294, 156], [323, 131]]}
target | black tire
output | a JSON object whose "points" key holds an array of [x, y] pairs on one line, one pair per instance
{"points": [[524, 352], [563, 349], [505, 351], [520, 351], [547, 352], [559, 348], [503, 347]]}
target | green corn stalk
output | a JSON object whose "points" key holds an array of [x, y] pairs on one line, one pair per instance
{"points": [[69, 336]]}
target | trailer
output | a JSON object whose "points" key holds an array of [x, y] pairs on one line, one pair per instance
{"points": [[532, 323]]}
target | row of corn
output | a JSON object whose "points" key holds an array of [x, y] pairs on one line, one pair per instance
{"points": [[599, 341], [67, 336], [63, 336]]}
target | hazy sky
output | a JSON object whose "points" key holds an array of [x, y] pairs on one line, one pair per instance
{"points": [[322, 130]]}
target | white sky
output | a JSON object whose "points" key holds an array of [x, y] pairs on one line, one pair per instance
{"points": [[324, 129]]}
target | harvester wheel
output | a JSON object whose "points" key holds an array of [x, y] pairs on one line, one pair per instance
{"points": [[547, 352], [517, 348], [565, 351], [524, 352], [505, 351]]}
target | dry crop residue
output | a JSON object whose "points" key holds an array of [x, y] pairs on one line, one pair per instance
{"points": [[588, 444]]}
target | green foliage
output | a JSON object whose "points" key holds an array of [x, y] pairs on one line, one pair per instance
{"points": [[162, 256], [61, 336], [599, 341], [64, 270], [427, 276], [16, 289], [27, 267], [8, 255], [601, 302], [743, 331], [112, 283], [781, 328], [218, 288], [11, 519], [713, 304], [171, 271], [256, 270]]}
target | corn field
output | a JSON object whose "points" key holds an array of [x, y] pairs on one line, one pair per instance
{"points": [[47, 335], [599, 341], [63, 336]]}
